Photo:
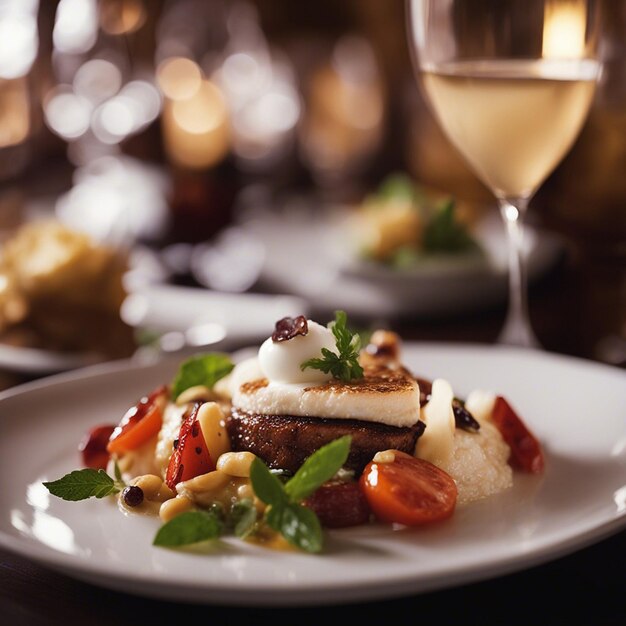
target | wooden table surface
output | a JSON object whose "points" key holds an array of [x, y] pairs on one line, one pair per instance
{"points": [[578, 304]]}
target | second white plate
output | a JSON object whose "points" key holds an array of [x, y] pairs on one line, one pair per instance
{"points": [[308, 253]]}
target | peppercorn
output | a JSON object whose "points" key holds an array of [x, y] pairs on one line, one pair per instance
{"points": [[133, 495]]}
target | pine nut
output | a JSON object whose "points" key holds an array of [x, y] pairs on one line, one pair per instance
{"points": [[384, 456], [195, 393], [236, 463], [213, 425], [150, 484], [173, 507], [212, 481]]}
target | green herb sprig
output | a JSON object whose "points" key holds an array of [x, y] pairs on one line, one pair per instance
{"points": [[201, 369], [198, 526], [85, 483], [344, 364], [189, 528], [298, 524]]}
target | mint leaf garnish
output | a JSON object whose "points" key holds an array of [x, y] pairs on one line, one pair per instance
{"points": [[188, 528], [321, 466], [117, 472], [202, 369], [344, 364], [266, 485], [296, 523], [83, 484], [243, 518]]}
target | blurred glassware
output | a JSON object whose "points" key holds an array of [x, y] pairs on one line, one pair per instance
{"points": [[195, 123], [231, 262], [432, 159], [231, 107], [103, 94], [344, 122], [586, 199], [260, 87], [584, 195], [491, 65], [19, 45], [118, 199]]}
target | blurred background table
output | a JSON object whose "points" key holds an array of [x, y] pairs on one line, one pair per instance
{"points": [[145, 123]]}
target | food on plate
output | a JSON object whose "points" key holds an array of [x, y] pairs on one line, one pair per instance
{"points": [[59, 290], [402, 224], [314, 432]]}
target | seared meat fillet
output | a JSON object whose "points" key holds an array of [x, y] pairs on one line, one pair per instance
{"points": [[285, 441]]}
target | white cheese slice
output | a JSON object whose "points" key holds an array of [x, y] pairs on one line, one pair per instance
{"points": [[399, 408]]}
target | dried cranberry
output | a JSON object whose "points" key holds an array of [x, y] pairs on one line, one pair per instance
{"points": [[463, 418], [290, 327]]}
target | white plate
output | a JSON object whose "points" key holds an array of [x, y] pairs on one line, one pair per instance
{"points": [[208, 317], [309, 253], [38, 362], [575, 407]]}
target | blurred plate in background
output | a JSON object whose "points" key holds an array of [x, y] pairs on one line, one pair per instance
{"points": [[308, 253], [191, 317]]}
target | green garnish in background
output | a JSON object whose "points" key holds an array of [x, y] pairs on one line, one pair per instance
{"points": [[444, 233], [398, 187], [201, 369], [344, 364]]}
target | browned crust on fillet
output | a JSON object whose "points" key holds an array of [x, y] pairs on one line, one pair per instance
{"points": [[377, 379], [285, 441]]}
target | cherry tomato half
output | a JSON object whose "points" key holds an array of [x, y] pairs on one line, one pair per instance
{"points": [[191, 456], [526, 452], [140, 423], [408, 491], [93, 447]]}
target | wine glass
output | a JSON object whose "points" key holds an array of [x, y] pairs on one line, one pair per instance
{"points": [[511, 84]]}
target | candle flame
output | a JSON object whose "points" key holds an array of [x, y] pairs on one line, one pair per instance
{"points": [[196, 129], [564, 29]]}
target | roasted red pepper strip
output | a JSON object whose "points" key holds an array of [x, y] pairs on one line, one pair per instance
{"points": [[140, 423], [191, 456], [526, 452]]}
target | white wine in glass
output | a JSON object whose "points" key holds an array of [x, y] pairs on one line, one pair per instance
{"points": [[511, 83]]}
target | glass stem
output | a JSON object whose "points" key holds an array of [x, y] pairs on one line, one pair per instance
{"points": [[517, 330]]}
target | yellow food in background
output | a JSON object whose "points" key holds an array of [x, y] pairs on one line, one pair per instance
{"points": [[60, 290], [384, 229]]}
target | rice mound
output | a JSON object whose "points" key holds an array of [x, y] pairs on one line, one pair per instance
{"points": [[478, 463]]}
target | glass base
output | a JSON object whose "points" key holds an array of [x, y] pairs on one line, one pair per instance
{"points": [[517, 333]]}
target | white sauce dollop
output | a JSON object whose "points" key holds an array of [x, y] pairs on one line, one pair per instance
{"points": [[280, 361]]}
